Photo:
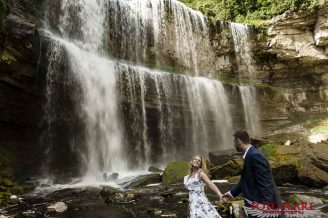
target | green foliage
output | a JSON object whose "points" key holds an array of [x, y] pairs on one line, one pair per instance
{"points": [[248, 11]]}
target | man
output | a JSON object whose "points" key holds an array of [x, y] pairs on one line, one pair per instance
{"points": [[256, 183]]}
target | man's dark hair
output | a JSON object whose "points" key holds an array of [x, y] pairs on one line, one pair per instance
{"points": [[242, 136]]}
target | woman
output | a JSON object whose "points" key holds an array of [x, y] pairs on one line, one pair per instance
{"points": [[199, 205]]}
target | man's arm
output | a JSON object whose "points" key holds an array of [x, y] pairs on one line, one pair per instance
{"points": [[236, 190], [263, 177]]}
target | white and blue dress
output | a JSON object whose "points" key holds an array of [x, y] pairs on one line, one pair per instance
{"points": [[199, 205]]}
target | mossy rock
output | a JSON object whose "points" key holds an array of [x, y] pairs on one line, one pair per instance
{"points": [[229, 169], [233, 179], [6, 171], [107, 191], [293, 199], [8, 182], [114, 196], [223, 208], [175, 172], [145, 180], [270, 149]]}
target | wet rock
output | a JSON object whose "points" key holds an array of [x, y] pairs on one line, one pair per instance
{"points": [[299, 162], [115, 196], [13, 197], [223, 208], [238, 210], [284, 173], [8, 182], [167, 194], [169, 215], [234, 179], [221, 157], [230, 168], [106, 191], [154, 169], [145, 180], [297, 198], [155, 211], [175, 172], [314, 170], [58, 207]]}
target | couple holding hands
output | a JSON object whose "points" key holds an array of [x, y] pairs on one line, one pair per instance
{"points": [[256, 183]]}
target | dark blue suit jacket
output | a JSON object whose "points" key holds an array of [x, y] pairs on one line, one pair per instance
{"points": [[256, 182]]}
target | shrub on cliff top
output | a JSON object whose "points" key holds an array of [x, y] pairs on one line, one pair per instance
{"points": [[248, 11]]}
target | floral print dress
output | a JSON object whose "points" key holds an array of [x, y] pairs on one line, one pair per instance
{"points": [[199, 205]]}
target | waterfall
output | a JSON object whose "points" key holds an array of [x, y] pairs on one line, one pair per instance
{"points": [[81, 30], [189, 114], [246, 69], [117, 111], [251, 109], [158, 33]]}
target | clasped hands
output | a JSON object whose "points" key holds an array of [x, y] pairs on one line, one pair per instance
{"points": [[224, 197]]}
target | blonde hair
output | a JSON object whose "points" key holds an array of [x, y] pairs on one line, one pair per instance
{"points": [[202, 164]]}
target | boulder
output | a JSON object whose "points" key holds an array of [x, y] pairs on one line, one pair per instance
{"points": [[115, 196], [237, 209], [230, 168], [145, 180], [300, 161], [154, 170], [221, 157], [58, 207], [233, 179], [298, 199], [175, 172], [284, 173]]}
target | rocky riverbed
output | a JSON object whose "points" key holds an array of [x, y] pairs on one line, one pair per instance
{"points": [[149, 201]]}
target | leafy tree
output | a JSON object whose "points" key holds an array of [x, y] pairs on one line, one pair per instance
{"points": [[248, 11]]}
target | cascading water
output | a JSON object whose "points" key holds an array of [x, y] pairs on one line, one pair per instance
{"points": [[247, 70], [170, 104], [251, 109], [158, 33], [96, 77], [123, 116]]}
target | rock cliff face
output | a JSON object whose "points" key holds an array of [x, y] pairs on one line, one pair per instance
{"points": [[290, 64], [290, 58], [300, 66], [20, 88]]}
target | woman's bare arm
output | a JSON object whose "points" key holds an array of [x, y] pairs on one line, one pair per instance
{"points": [[210, 184]]}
